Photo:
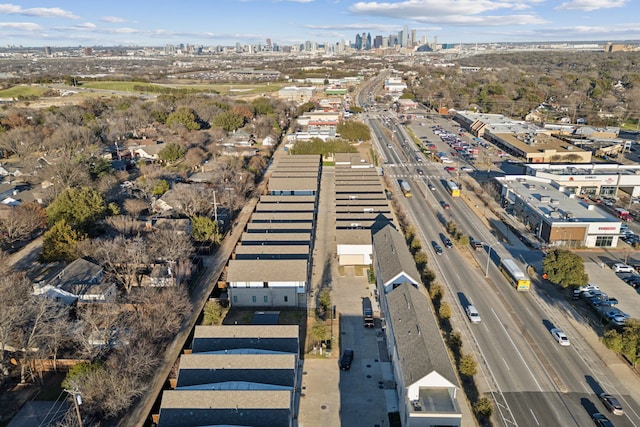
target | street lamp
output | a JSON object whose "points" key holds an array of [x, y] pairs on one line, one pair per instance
{"points": [[486, 272]]}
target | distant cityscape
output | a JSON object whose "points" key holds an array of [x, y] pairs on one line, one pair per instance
{"points": [[405, 41]]}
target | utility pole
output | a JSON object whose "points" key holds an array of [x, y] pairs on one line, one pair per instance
{"points": [[77, 401]]}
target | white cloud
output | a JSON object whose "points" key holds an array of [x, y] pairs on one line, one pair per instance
{"points": [[113, 19], [86, 26], [408, 9], [301, 1], [24, 26], [591, 5], [42, 12]]}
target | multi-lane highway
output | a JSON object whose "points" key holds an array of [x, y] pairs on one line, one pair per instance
{"points": [[533, 379]]}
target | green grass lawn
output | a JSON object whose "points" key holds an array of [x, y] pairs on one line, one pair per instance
{"points": [[224, 89], [22, 90]]}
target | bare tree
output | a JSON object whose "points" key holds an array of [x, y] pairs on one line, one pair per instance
{"points": [[169, 245], [125, 225], [123, 259], [194, 200], [95, 328], [135, 206], [159, 312], [19, 222], [15, 290], [22, 141]]}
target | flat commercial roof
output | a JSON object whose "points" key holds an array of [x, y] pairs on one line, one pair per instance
{"points": [[356, 189], [543, 142], [271, 270], [544, 197], [586, 169]]}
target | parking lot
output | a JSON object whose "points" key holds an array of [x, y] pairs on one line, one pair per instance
{"points": [[612, 284]]}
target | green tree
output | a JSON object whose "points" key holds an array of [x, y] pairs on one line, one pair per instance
{"points": [[354, 131], [468, 366], [229, 121], [613, 340], [78, 372], [204, 229], [319, 331], [483, 407], [79, 207], [161, 187], [60, 242], [262, 106], [564, 268], [212, 313], [172, 152], [324, 298], [184, 116]]}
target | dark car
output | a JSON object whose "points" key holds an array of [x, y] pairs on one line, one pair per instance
{"points": [[420, 171], [612, 404], [447, 242], [346, 359], [437, 248], [601, 420], [445, 205]]}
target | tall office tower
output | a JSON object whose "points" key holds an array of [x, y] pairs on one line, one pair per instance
{"points": [[377, 42], [47, 51], [368, 44], [238, 47], [413, 41], [170, 50], [269, 43], [405, 37], [358, 44], [423, 40]]}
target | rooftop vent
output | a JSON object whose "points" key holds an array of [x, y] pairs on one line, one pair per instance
{"points": [[417, 405]]}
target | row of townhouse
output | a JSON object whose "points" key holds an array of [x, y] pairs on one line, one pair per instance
{"points": [[271, 265]]}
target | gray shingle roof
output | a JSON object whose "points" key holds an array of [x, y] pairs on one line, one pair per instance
{"points": [[392, 255], [421, 349]]}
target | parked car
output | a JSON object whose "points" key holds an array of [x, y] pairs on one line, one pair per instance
{"points": [[601, 420], [611, 403], [560, 336], [622, 268], [346, 359]]}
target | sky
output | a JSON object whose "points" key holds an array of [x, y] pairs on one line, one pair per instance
{"points": [[287, 22]]}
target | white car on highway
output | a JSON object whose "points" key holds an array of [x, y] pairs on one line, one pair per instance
{"points": [[560, 336]]}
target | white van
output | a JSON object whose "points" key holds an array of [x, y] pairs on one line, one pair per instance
{"points": [[622, 268], [472, 314]]}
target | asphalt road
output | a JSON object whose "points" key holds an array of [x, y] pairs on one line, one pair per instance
{"points": [[533, 379]]}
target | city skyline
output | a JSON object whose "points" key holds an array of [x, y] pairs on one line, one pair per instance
{"points": [[287, 22]]}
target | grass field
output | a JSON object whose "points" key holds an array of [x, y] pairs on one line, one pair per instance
{"points": [[224, 89], [22, 90]]}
